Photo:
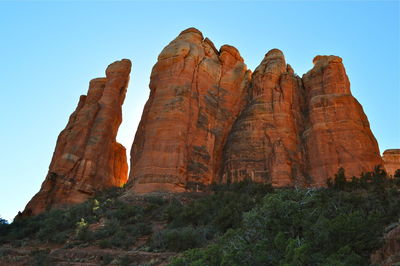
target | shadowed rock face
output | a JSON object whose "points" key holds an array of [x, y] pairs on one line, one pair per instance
{"points": [[87, 157], [209, 120], [337, 130], [391, 160], [196, 94]]}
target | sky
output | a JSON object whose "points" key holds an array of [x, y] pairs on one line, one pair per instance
{"points": [[49, 51]]}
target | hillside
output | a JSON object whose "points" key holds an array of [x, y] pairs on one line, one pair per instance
{"points": [[243, 223]]}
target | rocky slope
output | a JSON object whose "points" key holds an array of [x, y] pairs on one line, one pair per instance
{"points": [[389, 253], [87, 157]]}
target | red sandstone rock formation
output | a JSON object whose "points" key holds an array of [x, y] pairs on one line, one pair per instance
{"points": [[196, 94], [300, 131], [265, 143], [337, 131], [208, 120], [391, 159], [87, 157]]}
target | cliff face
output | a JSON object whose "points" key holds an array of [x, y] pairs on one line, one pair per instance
{"points": [[391, 160], [337, 132], [87, 157], [209, 120], [196, 94], [264, 144]]}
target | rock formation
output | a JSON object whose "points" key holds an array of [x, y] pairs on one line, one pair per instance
{"points": [[209, 120], [391, 159], [87, 157], [337, 131], [264, 144], [196, 94]]}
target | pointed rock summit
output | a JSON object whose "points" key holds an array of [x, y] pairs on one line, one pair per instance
{"points": [[87, 157]]}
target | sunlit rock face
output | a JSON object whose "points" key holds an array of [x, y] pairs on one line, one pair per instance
{"points": [[208, 119], [265, 144], [391, 160], [87, 157], [299, 131], [196, 93], [337, 132]]}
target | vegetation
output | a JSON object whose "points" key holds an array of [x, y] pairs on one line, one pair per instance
{"points": [[119, 224], [236, 224], [340, 225]]}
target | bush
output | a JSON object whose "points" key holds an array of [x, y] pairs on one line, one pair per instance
{"points": [[3, 226]]}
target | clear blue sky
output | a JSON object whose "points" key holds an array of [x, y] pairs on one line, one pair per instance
{"points": [[50, 51]]}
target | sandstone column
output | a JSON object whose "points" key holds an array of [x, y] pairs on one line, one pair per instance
{"points": [[87, 157], [196, 93], [337, 132], [264, 144]]}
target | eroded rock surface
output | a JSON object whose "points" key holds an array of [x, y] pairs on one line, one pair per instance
{"points": [[196, 94], [265, 143], [337, 130], [391, 159], [87, 157], [208, 119]]}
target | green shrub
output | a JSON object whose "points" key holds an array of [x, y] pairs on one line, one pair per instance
{"points": [[179, 239], [40, 257], [307, 227]]}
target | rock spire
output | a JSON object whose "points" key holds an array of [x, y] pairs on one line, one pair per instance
{"points": [[87, 157]]}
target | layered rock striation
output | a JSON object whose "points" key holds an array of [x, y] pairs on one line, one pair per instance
{"points": [[87, 157], [196, 94], [208, 119], [391, 159]]}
